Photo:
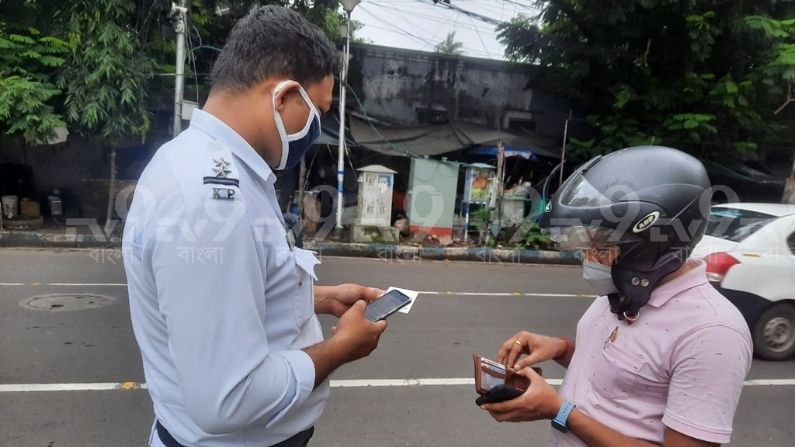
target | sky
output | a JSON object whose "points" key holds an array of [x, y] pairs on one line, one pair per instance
{"points": [[421, 24]]}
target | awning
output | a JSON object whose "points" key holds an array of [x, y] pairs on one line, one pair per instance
{"points": [[510, 151], [437, 139]]}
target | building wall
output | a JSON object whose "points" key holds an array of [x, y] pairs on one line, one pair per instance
{"points": [[412, 87]]}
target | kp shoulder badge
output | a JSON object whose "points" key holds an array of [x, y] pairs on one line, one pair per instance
{"points": [[223, 187]]}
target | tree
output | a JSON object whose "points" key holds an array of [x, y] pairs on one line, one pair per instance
{"points": [[450, 46], [688, 74], [779, 72], [28, 59], [104, 78], [90, 65]]}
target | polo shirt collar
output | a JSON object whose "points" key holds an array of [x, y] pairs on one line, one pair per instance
{"points": [[227, 136], [694, 278]]}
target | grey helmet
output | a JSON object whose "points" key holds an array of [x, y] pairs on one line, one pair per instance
{"points": [[650, 202]]}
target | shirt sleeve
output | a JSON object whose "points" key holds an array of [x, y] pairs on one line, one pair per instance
{"points": [[709, 366], [210, 289]]}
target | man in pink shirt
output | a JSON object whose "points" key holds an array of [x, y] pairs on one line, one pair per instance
{"points": [[659, 358]]}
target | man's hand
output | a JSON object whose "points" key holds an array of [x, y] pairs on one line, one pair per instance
{"points": [[356, 336], [540, 401], [539, 348], [336, 300]]}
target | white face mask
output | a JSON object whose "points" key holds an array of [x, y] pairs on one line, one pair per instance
{"points": [[295, 145], [599, 277]]}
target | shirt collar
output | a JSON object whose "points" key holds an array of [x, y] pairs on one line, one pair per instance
{"points": [[694, 278], [227, 136]]}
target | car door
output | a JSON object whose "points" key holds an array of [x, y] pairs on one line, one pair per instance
{"points": [[766, 262]]}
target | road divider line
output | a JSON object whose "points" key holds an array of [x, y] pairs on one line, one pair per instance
{"points": [[770, 382], [346, 383], [422, 292], [366, 383], [97, 284]]}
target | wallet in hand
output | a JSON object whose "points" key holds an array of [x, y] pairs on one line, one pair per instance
{"points": [[496, 383]]}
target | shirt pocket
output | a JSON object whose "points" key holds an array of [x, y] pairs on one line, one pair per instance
{"points": [[305, 262], [616, 372]]}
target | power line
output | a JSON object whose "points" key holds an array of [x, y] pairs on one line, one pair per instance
{"points": [[480, 17], [433, 18]]}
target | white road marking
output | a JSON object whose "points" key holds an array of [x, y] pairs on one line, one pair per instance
{"points": [[88, 284], [770, 382], [423, 292], [533, 294], [38, 387], [351, 383], [363, 383]]}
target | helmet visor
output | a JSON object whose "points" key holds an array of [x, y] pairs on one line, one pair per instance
{"points": [[581, 193], [579, 237]]}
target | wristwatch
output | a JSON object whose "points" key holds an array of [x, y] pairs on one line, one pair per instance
{"points": [[563, 416]]}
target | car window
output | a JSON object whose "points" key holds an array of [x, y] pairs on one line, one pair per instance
{"points": [[735, 225], [791, 242]]}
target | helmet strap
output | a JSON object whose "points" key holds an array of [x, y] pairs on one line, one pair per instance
{"points": [[636, 286]]}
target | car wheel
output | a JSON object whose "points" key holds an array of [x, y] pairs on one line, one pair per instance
{"points": [[774, 333]]}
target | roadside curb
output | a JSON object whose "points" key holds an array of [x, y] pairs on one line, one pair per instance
{"points": [[66, 239], [39, 239], [472, 254]]}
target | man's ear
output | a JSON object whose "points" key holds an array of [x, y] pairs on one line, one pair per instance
{"points": [[280, 90]]}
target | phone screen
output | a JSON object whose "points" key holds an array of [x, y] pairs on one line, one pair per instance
{"points": [[386, 305]]}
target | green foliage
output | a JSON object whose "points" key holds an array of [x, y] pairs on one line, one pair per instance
{"points": [[705, 76], [27, 60], [530, 236], [101, 66], [104, 79], [481, 218], [450, 46], [25, 108]]}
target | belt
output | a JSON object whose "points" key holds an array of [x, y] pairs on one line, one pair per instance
{"points": [[165, 436], [299, 440]]}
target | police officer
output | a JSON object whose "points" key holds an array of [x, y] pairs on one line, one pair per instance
{"points": [[222, 301], [660, 357]]}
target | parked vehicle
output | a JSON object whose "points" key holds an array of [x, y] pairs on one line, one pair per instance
{"points": [[750, 253], [746, 183]]}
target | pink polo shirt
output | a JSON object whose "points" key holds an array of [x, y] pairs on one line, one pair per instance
{"points": [[681, 365]]}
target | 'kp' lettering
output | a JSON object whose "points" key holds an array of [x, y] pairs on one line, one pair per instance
{"points": [[223, 193]]}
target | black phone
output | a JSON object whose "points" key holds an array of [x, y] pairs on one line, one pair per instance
{"points": [[386, 305], [498, 393]]}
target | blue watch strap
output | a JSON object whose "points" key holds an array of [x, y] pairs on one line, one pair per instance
{"points": [[560, 421]]}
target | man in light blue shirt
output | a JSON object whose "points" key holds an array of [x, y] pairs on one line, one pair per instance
{"points": [[223, 303]]}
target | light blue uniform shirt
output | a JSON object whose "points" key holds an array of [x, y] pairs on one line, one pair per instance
{"points": [[221, 302]]}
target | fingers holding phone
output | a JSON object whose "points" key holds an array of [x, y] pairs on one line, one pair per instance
{"points": [[357, 335], [361, 326], [539, 401]]}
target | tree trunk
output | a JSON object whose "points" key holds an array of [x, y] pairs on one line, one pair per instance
{"points": [[111, 192], [789, 188]]}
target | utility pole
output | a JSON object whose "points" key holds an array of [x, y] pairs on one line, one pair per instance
{"points": [[500, 183], [179, 84], [348, 6]]}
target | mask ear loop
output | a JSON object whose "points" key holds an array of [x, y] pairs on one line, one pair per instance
{"points": [[280, 126]]}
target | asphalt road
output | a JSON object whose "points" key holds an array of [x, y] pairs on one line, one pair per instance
{"points": [[473, 308]]}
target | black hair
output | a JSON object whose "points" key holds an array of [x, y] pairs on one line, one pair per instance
{"points": [[273, 41]]}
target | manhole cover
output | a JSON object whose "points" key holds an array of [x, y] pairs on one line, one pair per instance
{"points": [[59, 302]]}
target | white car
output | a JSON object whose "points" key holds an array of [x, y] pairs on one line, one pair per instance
{"points": [[750, 253]]}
